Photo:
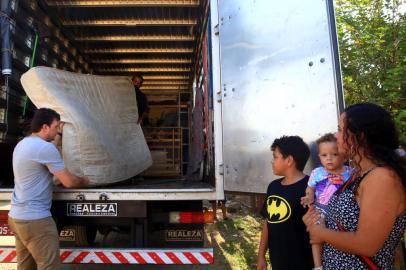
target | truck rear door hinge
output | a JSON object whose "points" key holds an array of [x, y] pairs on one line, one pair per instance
{"points": [[219, 98], [221, 169], [216, 30]]}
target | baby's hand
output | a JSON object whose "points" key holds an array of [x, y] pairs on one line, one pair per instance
{"points": [[307, 200]]}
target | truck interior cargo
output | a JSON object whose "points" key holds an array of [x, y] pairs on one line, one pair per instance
{"points": [[165, 41]]}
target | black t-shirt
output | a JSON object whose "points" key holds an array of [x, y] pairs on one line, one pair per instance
{"points": [[288, 241], [142, 102]]}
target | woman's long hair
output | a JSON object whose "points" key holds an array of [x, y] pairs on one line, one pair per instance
{"points": [[374, 131]]}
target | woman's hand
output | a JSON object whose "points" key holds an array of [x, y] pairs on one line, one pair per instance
{"points": [[311, 217], [315, 231], [315, 223]]}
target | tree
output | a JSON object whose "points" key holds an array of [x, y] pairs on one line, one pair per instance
{"points": [[372, 40]]}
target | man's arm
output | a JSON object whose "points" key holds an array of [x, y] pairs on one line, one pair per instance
{"points": [[58, 142], [142, 117], [69, 180], [144, 104]]}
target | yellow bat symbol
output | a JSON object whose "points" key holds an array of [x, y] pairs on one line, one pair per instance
{"points": [[278, 209]]}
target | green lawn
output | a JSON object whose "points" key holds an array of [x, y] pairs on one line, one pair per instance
{"points": [[235, 242]]}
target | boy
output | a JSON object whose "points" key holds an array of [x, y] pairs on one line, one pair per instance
{"points": [[283, 231]]}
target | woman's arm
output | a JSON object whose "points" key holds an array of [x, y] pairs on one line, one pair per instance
{"points": [[381, 199]]}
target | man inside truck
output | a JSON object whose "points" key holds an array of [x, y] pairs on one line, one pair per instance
{"points": [[142, 101], [35, 160]]}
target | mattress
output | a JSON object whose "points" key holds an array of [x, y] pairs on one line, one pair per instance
{"points": [[101, 137]]}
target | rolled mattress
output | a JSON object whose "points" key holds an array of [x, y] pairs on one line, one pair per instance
{"points": [[101, 137]]}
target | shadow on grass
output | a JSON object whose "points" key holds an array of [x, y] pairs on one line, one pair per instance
{"points": [[220, 260], [241, 240]]}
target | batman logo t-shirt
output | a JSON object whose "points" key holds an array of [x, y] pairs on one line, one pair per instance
{"points": [[288, 241]]}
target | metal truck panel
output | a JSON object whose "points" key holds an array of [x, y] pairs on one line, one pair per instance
{"points": [[279, 76], [117, 195], [217, 108]]}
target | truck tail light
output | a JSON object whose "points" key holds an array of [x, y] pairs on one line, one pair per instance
{"points": [[4, 228], [191, 217], [4, 215]]}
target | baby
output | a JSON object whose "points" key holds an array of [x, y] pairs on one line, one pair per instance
{"points": [[324, 181]]}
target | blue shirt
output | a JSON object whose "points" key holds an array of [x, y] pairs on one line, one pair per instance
{"points": [[34, 159]]}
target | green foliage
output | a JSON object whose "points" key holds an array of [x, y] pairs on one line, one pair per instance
{"points": [[372, 40]]}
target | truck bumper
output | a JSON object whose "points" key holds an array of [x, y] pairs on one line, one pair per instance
{"points": [[122, 256]]}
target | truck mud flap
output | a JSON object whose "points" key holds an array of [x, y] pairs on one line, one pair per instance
{"points": [[122, 256]]}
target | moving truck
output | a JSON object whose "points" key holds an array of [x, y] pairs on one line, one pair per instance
{"points": [[223, 80]]}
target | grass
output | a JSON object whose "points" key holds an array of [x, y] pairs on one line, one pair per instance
{"points": [[236, 241]]}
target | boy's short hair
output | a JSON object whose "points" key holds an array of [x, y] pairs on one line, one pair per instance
{"points": [[293, 146], [328, 137]]}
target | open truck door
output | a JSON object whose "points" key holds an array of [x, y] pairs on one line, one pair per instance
{"points": [[280, 75]]}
